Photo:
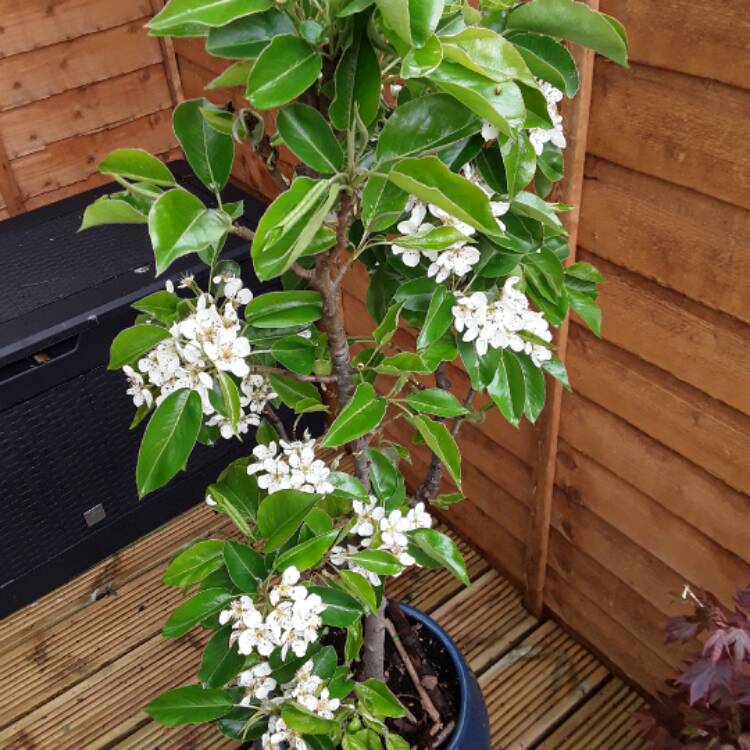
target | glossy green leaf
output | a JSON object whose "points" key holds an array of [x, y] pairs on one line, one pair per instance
{"points": [[247, 37], [291, 391], [136, 165], [386, 480], [387, 328], [341, 609], [195, 563], [284, 309], [379, 562], [507, 388], [361, 415], [203, 12], [423, 125], [588, 309], [535, 389], [169, 440], [209, 152], [295, 353], [108, 210], [488, 53], [532, 206], [557, 370], [234, 75], [357, 81], [179, 224], [306, 722], [436, 401], [359, 587], [443, 550], [132, 343], [192, 704], [429, 179], [310, 138], [246, 567], [378, 700], [286, 68], [441, 443], [221, 661], [419, 61], [502, 104], [416, 294], [281, 514], [352, 649], [161, 306], [438, 238], [309, 553], [549, 60], [195, 610], [394, 742], [346, 484], [382, 202], [413, 20], [584, 272], [576, 22], [519, 159], [439, 317]]}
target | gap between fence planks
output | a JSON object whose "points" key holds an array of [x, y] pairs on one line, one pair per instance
{"points": [[543, 477]]}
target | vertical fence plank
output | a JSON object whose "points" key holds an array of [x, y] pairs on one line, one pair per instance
{"points": [[9, 187], [547, 432], [171, 68]]}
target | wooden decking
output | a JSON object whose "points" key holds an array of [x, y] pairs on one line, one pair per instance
{"points": [[77, 666]]}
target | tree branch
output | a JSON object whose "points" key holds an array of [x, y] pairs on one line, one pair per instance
{"points": [[304, 378], [276, 421]]}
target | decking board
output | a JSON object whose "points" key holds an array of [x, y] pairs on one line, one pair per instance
{"points": [[79, 665]]}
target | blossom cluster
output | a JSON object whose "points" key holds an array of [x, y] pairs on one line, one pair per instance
{"points": [[202, 344], [539, 136], [499, 324], [389, 530], [461, 256], [290, 466], [292, 623]]}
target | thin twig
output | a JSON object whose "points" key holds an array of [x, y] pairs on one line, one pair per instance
{"points": [[443, 736], [295, 375], [428, 705], [276, 421], [244, 232]]}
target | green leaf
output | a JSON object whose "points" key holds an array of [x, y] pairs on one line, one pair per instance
{"points": [[443, 550], [502, 104], [532, 206], [310, 138], [488, 53], [291, 391], [283, 231], [281, 514], [394, 742], [359, 587], [425, 124], [352, 648], [246, 38], [132, 343], [419, 61], [286, 68], [413, 20], [403, 363], [439, 238], [161, 306], [436, 401], [379, 562], [557, 370], [203, 12], [576, 22], [379, 700], [136, 165], [194, 611], [284, 309], [309, 553], [179, 223], [387, 481], [225, 398], [439, 317], [108, 210], [587, 307], [519, 159], [306, 722], [548, 60], [416, 294], [584, 272], [357, 81], [192, 704], [209, 152], [341, 609], [442, 444], [507, 388], [195, 563], [346, 484], [364, 739], [234, 75], [429, 179], [361, 415], [382, 202], [387, 328], [295, 353], [220, 661], [535, 391], [246, 567], [169, 440]]}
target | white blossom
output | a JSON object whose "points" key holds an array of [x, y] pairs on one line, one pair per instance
{"points": [[499, 324], [280, 737], [457, 260], [257, 682], [413, 225], [234, 290], [368, 516], [555, 134], [137, 389], [340, 556]]}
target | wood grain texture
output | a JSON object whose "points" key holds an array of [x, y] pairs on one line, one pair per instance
{"points": [[94, 57], [679, 128], [700, 37], [678, 237]]}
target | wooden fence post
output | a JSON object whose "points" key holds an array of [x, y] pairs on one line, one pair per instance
{"points": [[548, 429], [171, 68]]}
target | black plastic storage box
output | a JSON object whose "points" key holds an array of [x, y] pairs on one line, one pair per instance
{"points": [[67, 459]]}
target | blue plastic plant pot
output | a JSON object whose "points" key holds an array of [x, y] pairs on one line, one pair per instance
{"points": [[472, 730]]}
